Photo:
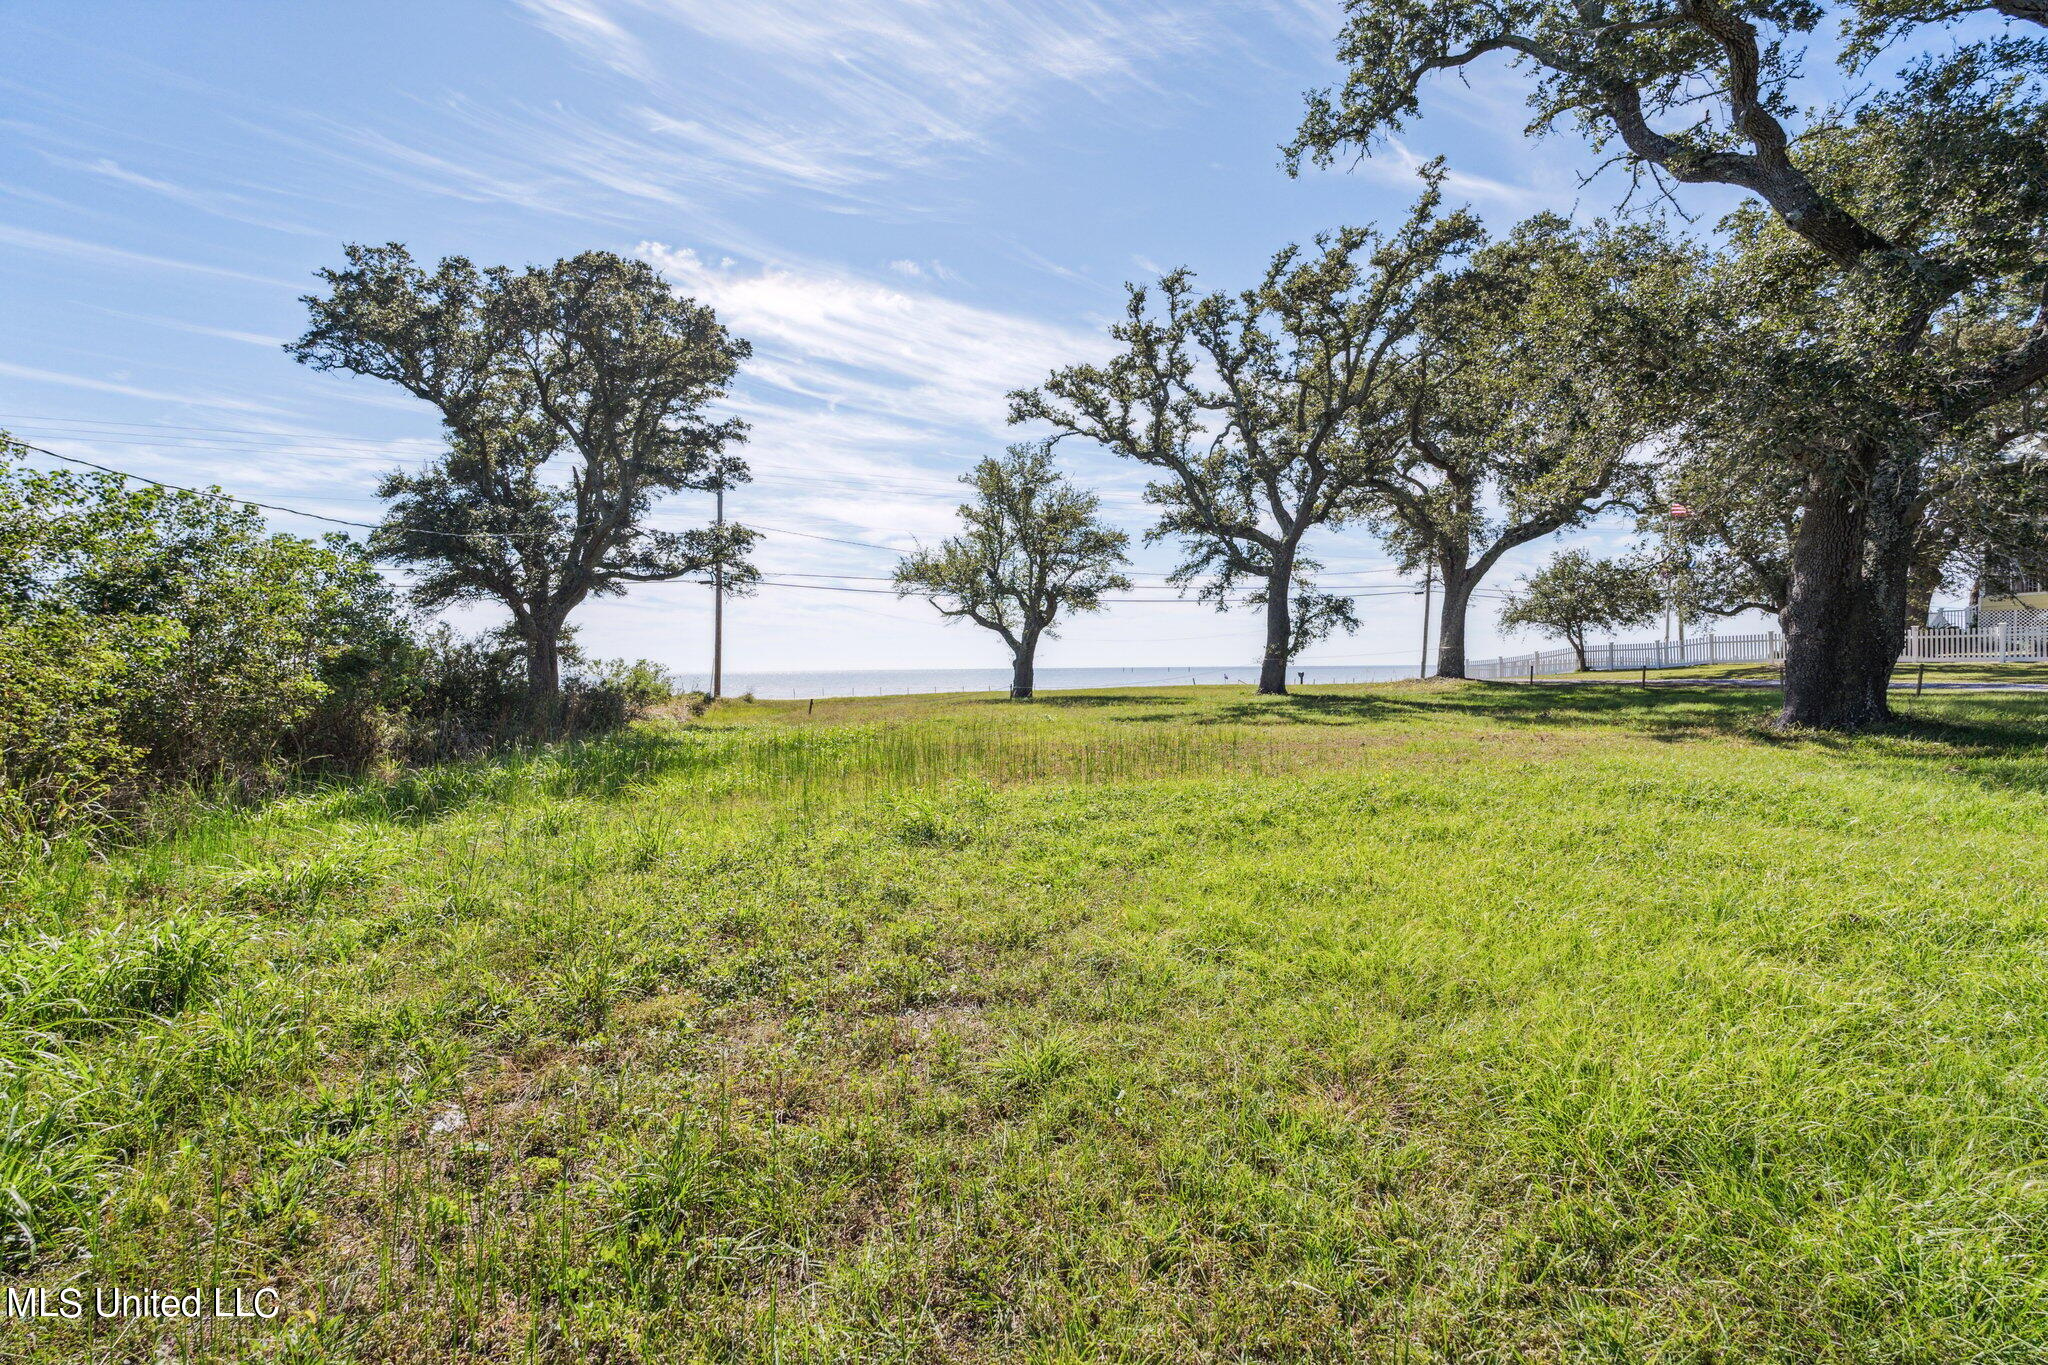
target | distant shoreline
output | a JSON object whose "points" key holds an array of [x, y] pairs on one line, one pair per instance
{"points": [[872, 682]]}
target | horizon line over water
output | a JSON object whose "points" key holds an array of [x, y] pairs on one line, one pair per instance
{"points": [[886, 682]]}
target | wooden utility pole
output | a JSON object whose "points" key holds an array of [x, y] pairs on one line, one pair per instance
{"points": [[1428, 578], [718, 609]]}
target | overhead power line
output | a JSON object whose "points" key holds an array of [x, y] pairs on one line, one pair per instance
{"points": [[520, 535], [251, 440], [197, 492], [293, 511], [1166, 578], [1199, 601], [808, 535]]}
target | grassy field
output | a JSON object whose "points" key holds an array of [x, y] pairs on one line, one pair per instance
{"points": [[1965, 672], [1419, 1022]]}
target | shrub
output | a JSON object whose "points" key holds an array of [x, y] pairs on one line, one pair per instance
{"points": [[209, 643], [471, 695], [65, 680], [465, 696], [643, 683], [152, 638]]}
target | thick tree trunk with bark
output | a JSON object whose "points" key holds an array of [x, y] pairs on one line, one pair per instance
{"points": [[1458, 582], [1023, 662], [1279, 634], [1578, 643], [1845, 620], [544, 668], [1920, 594], [543, 678]]}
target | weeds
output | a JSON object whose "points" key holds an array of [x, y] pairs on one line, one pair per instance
{"points": [[1430, 1023]]}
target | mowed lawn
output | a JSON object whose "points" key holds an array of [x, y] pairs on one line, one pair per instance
{"points": [[1419, 1022], [1906, 675]]}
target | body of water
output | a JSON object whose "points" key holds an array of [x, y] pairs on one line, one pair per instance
{"points": [[888, 682]]}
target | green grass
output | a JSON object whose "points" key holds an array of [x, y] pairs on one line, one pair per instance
{"points": [[1419, 1022], [1966, 672]]}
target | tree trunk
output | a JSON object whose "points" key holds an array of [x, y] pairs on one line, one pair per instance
{"points": [[1279, 633], [1450, 622], [1021, 665], [1845, 617], [1578, 644], [543, 678]]}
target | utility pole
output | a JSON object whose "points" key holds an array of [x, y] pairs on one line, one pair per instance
{"points": [[718, 608], [1428, 580]]}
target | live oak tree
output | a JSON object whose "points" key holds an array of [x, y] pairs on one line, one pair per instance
{"points": [[1575, 594], [1982, 495], [1537, 371], [1266, 411], [592, 363], [1032, 547], [1876, 232], [1876, 23]]}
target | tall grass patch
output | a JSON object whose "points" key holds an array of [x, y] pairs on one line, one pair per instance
{"points": [[1483, 1023]]}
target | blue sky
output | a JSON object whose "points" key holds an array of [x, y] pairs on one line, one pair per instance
{"points": [[909, 208]]}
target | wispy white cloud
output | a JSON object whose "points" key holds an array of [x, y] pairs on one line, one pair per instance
{"points": [[859, 343], [264, 339], [770, 148], [1039, 261], [126, 390], [918, 270], [48, 200], [28, 239], [222, 204], [585, 26], [860, 89], [1395, 165], [868, 395], [1317, 21], [839, 103]]}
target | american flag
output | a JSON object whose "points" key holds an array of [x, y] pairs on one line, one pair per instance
{"points": [[1679, 511]]}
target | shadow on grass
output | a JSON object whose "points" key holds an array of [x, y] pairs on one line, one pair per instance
{"points": [[1994, 743], [1989, 740], [604, 767], [1504, 704], [1078, 701]]}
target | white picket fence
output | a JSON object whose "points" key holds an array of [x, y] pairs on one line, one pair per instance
{"points": [[2001, 643]]}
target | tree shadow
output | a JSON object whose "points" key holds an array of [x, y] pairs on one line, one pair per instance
{"points": [[1082, 701], [1507, 704], [607, 766], [1992, 741]]}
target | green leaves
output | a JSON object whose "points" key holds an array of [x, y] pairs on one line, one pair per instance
{"points": [[1877, 300], [1575, 594], [1032, 548], [593, 357], [1267, 410], [147, 633]]}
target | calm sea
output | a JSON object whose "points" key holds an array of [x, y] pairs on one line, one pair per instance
{"points": [[890, 682]]}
